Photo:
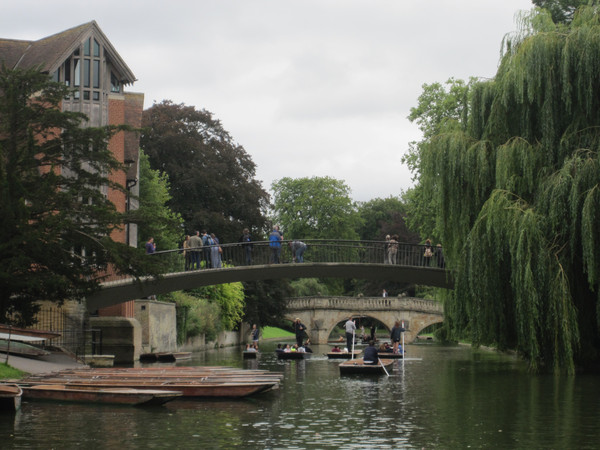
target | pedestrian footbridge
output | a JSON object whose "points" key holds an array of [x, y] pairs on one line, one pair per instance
{"points": [[323, 258], [322, 314]]}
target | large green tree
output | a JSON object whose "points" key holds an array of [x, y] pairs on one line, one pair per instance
{"points": [[315, 208], [519, 199], [56, 220], [155, 218], [212, 178]]}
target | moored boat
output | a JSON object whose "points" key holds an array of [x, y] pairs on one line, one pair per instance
{"points": [[249, 355], [358, 366], [10, 397], [164, 356], [100, 394], [20, 349]]}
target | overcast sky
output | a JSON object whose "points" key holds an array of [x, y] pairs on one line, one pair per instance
{"points": [[307, 87]]}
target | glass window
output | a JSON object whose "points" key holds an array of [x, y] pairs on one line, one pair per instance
{"points": [[96, 95], [77, 73], [76, 52], [86, 72], [115, 86], [96, 49], [56, 75], [86, 95], [96, 73], [86, 47], [76, 95], [68, 72]]}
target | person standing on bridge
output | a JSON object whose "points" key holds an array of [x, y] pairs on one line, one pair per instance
{"points": [[298, 248], [396, 335], [246, 240], [195, 244], [350, 329], [275, 239], [393, 250], [299, 329], [150, 246]]}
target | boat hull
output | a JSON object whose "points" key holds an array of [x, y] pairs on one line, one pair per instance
{"points": [[100, 394], [10, 397], [291, 355], [358, 366], [343, 355]]}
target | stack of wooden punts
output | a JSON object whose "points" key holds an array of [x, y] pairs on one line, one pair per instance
{"points": [[190, 381], [358, 366], [343, 355], [10, 397]]}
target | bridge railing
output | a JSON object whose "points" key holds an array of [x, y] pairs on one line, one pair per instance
{"points": [[317, 250]]}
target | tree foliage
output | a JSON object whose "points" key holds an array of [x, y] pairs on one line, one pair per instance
{"points": [[56, 219], [314, 208], [562, 11], [265, 301], [519, 201], [383, 216], [155, 218], [211, 177]]}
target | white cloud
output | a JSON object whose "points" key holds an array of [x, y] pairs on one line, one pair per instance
{"points": [[308, 87]]}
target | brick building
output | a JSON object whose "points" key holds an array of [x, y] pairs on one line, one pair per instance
{"points": [[84, 59]]}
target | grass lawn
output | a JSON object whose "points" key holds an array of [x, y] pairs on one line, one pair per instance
{"points": [[275, 333], [10, 372]]}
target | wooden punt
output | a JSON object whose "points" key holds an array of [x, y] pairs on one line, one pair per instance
{"points": [[186, 390], [291, 355], [249, 355], [343, 355], [165, 356], [10, 397], [21, 349], [387, 355], [99, 394], [358, 366]]}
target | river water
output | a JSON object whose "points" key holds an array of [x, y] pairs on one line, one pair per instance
{"points": [[447, 397]]}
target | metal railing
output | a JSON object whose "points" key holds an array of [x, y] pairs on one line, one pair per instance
{"points": [[317, 251]]}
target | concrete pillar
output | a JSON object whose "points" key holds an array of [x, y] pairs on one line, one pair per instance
{"points": [[121, 337]]}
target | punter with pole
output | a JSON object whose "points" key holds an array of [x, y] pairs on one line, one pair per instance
{"points": [[350, 329], [396, 335]]}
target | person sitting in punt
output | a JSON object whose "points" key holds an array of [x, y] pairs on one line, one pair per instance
{"points": [[336, 349], [371, 355], [307, 349], [385, 348], [294, 348], [250, 348], [287, 348], [301, 349], [279, 349]]}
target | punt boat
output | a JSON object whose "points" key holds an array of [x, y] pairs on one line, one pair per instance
{"points": [[99, 394], [343, 355], [358, 366]]}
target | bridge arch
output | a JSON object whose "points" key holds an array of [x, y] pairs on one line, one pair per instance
{"points": [[322, 314]]}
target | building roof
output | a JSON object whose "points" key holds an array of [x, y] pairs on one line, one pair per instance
{"points": [[50, 52]]}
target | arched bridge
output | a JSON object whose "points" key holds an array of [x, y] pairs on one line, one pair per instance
{"points": [[322, 314], [255, 261]]}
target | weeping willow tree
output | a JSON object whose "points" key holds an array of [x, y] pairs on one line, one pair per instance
{"points": [[518, 187]]}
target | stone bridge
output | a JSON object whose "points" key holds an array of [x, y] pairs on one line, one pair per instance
{"points": [[322, 314]]}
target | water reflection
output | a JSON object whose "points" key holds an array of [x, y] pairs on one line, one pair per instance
{"points": [[446, 397]]}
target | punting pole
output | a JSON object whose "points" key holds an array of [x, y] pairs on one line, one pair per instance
{"points": [[352, 356], [384, 369], [403, 342]]}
